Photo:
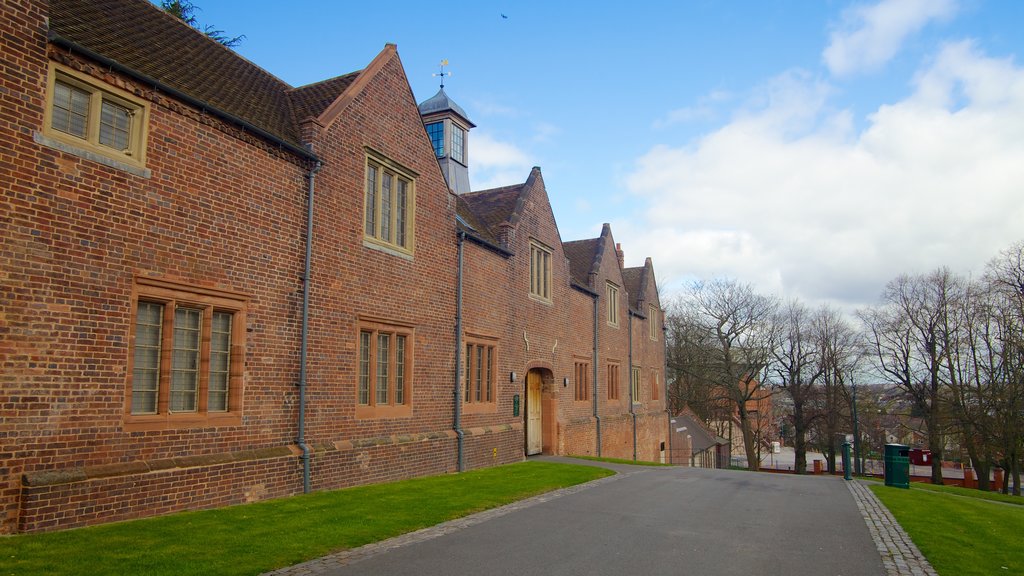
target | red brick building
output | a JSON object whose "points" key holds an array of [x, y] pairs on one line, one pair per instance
{"points": [[218, 288]]}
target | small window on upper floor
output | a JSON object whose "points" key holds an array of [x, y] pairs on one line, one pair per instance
{"points": [[458, 144], [435, 130], [540, 271], [612, 294], [89, 118], [653, 321], [389, 206]]}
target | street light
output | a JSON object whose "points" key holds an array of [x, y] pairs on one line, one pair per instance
{"points": [[858, 465]]}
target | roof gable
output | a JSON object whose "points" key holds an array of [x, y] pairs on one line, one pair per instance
{"points": [[639, 283]]}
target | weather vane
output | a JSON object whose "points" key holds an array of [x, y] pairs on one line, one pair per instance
{"points": [[442, 73]]}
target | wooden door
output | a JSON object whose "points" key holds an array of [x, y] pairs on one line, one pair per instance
{"points": [[534, 438]]}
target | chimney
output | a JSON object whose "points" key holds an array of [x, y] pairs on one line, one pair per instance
{"points": [[620, 255]]}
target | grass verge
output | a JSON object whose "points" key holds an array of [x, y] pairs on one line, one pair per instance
{"points": [[959, 536], [254, 538]]}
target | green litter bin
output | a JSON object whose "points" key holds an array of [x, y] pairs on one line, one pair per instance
{"points": [[897, 465]]}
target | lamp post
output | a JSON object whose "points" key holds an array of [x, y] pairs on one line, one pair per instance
{"points": [[857, 463]]}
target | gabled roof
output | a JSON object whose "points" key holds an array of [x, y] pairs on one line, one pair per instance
{"points": [[499, 207], [581, 255], [701, 437], [585, 255], [467, 221], [156, 46], [311, 100], [637, 280], [496, 206]]}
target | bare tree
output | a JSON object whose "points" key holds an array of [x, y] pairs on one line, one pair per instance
{"points": [[1005, 278], [732, 331], [910, 336], [840, 351], [798, 367], [976, 389]]}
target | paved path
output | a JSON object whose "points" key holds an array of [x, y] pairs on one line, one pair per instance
{"points": [[656, 521]]}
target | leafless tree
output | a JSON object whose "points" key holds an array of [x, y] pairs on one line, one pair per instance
{"points": [[840, 351], [911, 335], [730, 334], [1005, 278], [797, 366]]}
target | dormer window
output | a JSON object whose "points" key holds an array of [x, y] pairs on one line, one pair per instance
{"points": [[436, 132]]}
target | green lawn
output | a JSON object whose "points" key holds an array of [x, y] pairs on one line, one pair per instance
{"points": [[255, 538], [961, 532]]}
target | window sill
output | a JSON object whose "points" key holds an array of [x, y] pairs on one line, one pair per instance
{"points": [[479, 407], [370, 412], [141, 423], [374, 245], [107, 161]]}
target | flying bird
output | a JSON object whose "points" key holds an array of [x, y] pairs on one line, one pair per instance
{"points": [[505, 17]]}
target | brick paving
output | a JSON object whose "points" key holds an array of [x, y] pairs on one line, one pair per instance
{"points": [[899, 554]]}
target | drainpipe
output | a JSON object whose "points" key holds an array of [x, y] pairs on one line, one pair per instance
{"points": [[301, 440], [664, 375], [597, 416], [632, 412], [459, 435]]}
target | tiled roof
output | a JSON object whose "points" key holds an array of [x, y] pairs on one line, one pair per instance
{"points": [[311, 100], [701, 437], [494, 207], [468, 222], [138, 35], [581, 255], [634, 279]]}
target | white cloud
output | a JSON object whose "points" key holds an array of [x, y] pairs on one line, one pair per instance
{"points": [[705, 109], [870, 36], [789, 197], [496, 163]]}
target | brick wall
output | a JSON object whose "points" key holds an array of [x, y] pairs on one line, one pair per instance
{"points": [[224, 210]]}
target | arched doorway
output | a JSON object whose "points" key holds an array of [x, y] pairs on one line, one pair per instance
{"points": [[534, 413]]}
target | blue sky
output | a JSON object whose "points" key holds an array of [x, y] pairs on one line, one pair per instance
{"points": [[813, 149]]}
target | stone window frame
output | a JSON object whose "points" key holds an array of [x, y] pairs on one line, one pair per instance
{"points": [[581, 380], [131, 159], [172, 295], [612, 386], [612, 303], [487, 348], [653, 321], [635, 383], [540, 271], [655, 385], [375, 236], [399, 369]]}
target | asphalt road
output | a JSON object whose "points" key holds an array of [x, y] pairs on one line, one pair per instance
{"points": [[659, 521]]}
